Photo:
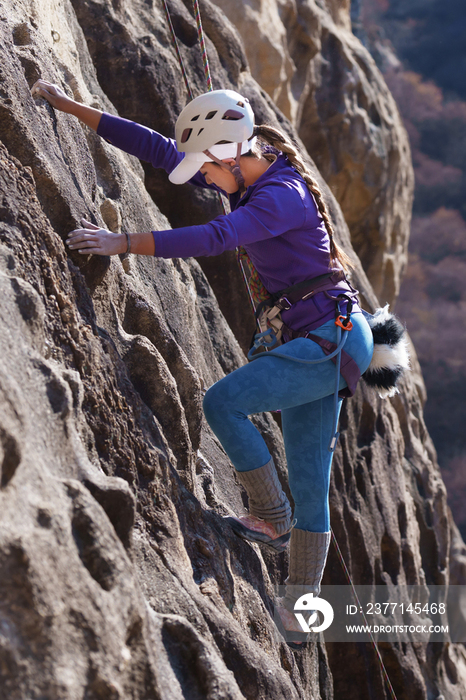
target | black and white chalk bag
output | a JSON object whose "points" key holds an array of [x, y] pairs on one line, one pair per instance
{"points": [[391, 355]]}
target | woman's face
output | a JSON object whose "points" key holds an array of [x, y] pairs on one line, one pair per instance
{"points": [[222, 177]]}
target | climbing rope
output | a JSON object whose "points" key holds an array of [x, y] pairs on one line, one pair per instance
{"points": [[241, 259], [366, 622], [241, 253], [177, 49], [201, 35], [205, 61]]}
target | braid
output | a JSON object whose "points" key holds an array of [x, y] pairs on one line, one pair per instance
{"points": [[269, 136]]}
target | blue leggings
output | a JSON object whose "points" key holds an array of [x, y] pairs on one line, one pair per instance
{"points": [[304, 393]]}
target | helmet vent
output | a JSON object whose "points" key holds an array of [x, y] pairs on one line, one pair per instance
{"points": [[194, 119], [185, 135], [232, 115], [212, 114]]}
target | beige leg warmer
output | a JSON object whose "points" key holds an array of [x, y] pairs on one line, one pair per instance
{"points": [[308, 554], [267, 499]]}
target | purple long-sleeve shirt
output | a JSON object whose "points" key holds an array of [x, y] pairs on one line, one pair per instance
{"points": [[277, 221]]}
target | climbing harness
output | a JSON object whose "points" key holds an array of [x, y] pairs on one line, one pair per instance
{"points": [[267, 313], [244, 261], [390, 358], [273, 329]]}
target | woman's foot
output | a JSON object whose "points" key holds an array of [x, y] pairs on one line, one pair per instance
{"points": [[289, 626], [254, 529]]}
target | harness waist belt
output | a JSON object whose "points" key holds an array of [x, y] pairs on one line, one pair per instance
{"points": [[284, 299], [305, 290]]}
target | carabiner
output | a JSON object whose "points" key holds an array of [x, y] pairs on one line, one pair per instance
{"points": [[260, 340], [344, 322]]}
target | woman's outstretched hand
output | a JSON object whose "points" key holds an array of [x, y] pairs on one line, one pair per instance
{"points": [[95, 240], [53, 94], [57, 98]]}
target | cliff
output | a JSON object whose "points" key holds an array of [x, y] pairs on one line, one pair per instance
{"points": [[119, 578]]}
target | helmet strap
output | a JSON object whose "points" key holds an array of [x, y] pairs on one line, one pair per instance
{"points": [[234, 169]]}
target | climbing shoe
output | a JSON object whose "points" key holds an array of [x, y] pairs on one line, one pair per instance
{"points": [[289, 627], [254, 529]]}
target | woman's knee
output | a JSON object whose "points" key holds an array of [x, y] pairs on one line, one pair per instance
{"points": [[210, 401], [215, 402]]}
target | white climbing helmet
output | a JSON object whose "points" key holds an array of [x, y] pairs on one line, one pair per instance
{"points": [[214, 126]]}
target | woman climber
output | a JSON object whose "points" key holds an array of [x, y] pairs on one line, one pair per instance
{"points": [[278, 216]]}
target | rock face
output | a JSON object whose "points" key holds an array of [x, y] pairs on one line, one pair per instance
{"points": [[118, 576]]}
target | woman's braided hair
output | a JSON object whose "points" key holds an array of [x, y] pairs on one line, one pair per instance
{"points": [[279, 141]]}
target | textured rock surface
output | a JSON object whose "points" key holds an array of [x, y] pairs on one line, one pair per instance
{"points": [[118, 578]]}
